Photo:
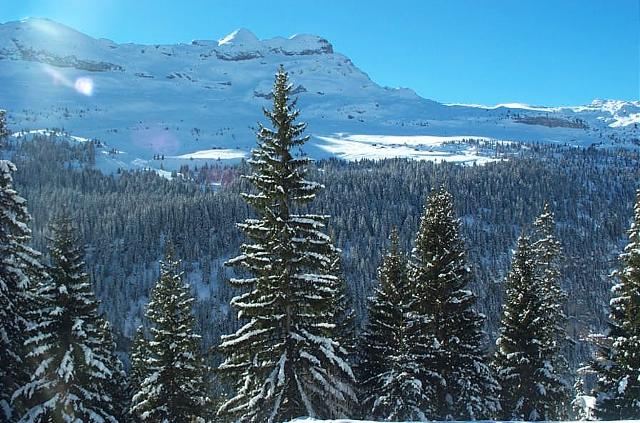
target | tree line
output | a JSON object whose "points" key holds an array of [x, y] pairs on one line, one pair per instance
{"points": [[422, 355]]}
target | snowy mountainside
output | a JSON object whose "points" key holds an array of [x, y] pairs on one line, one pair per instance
{"points": [[163, 105]]}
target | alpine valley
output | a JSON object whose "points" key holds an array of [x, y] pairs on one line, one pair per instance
{"points": [[140, 147]]}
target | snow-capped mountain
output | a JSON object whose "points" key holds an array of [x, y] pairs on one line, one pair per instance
{"points": [[202, 101]]}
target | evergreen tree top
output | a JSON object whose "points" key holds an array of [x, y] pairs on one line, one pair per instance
{"points": [[438, 234], [67, 256]]}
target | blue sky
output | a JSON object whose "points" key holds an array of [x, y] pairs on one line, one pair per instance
{"points": [[552, 52]]}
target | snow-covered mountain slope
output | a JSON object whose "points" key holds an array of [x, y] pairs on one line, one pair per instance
{"points": [[202, 101]]}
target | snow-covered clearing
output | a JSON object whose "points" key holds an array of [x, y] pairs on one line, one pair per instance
{"points": [[215, 154], [417, 147]]}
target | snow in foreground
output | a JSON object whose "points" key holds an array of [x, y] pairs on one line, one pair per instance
{"points": [[308, 420]]}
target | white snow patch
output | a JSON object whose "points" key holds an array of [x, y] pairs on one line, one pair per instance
{"points": [[417, 147], [522, 106], [48, 133], [310, 420], [217, 154]]}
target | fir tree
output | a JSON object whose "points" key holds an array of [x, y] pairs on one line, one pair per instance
{"points": [[4, 131], [618, 364], [390, 387], [284, 361], [548, 252], [345, 327], [65, 345], [20, 271], [445, 329], [116, 387], [140, 356], [345, 319], [173, 390], [522, 366]]}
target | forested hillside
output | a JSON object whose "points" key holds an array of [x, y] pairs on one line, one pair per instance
{"points": [[125, 218]]}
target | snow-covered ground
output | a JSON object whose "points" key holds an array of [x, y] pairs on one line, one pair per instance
{"points": [[307, 420], [201, 101], [417, 147]]}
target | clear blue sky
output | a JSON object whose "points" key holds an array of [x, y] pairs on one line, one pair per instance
{"points": [[551, 52]]}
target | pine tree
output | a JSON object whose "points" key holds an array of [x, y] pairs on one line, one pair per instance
{"points": [[115, 387], [345, 319], [140, 356], [521, 363], [4, 131], [20, 271], [445, 329], [548, 251], [65, 342], [174, 390], [284, 361], [618, 364], [390, 387]]}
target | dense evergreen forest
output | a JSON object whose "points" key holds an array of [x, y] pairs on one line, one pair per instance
{"points": [[125, 218], [277, 274]]}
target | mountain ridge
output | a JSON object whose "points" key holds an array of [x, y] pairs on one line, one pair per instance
{"points": [[180, 100]]}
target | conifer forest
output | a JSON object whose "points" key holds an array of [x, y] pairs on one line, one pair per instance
{"points": [[283, 287]]}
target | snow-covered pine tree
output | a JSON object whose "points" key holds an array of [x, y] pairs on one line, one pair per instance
{"points": [[345, 333], [65, 345], [446, 331], [4, 131], [548, 252], [20, 270], [174, 389], [521, 366], [618, 364], [284, 361], [344, 314], [390, 388], [116, 387], [140, 356]]}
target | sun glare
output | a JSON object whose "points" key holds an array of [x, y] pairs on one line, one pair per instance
{"points": [[84, 86]]}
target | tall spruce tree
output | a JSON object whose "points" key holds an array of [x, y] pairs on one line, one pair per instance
{"points": [[345, 319], [65, 341], [4, 131], [548, 253], [20, 271], [618, 363], [284, 361], [140, 356], [173, 390], [116, 387], [521, 362], [390, 388], [445, 330], [345, 333]]}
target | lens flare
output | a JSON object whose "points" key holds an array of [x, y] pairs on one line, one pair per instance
{"points": [[84, 86]]}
